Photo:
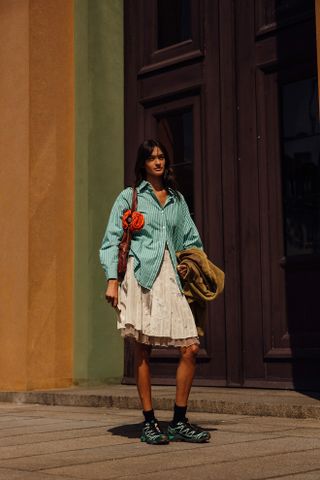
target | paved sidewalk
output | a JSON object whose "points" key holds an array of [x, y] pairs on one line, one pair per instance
{"points": [[39, 442]]}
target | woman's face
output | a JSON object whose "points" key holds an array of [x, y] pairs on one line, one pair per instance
{"points": [[155, 164]]}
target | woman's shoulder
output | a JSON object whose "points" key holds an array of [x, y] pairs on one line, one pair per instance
{"points": [[126, 191], [180, 195], [125, 195]]}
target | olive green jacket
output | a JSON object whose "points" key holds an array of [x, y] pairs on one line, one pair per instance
{"points": [[202, 282]]}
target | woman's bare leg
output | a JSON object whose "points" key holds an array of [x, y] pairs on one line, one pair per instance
{"points": [[142, 374], [180, 429], [185, 374]]}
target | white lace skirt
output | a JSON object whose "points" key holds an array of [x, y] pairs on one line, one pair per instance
{"points": [[160, 316]]}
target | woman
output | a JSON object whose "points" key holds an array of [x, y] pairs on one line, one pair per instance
{"points": [[150, 304]]}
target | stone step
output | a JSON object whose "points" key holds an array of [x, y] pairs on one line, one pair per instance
{"points": [[262, 402]]}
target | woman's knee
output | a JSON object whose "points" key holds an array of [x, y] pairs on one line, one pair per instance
{"points": [[190, 352]]}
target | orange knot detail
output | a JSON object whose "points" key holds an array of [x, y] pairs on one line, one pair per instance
{"points": [[134, 221]]}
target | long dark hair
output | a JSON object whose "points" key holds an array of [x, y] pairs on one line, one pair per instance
{"points": [[144, 151]]}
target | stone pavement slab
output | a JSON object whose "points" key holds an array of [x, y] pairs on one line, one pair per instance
{"points": [[93, 443]]}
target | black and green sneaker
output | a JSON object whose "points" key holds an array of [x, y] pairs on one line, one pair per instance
{"points": [[183, 431], [152, 433]]}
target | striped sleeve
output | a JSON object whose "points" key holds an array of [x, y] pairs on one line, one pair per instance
{"points": [[110, 243], [191, 236]]}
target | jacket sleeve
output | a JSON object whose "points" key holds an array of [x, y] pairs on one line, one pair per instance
{"points": [[191, 236], [108, 252]]}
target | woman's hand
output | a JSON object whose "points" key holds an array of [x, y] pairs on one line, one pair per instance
{"points": [[112, 292], [182, 270]]}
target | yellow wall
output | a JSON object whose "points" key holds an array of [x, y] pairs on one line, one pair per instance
{"points": [[36, 193]]}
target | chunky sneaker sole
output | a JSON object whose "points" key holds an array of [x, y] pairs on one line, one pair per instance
{"points": [[152, 434], [183, 431]]}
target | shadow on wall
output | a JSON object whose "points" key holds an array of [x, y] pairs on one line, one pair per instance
{"points": [[300, 158]]}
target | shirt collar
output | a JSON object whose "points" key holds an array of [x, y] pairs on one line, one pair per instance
{"points": [[142, 185], [145, 184]]}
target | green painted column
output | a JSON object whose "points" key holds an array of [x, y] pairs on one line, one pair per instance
{"points": [[99, 160]]}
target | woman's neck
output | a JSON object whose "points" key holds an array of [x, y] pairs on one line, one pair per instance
{"points": [[156, 182]]}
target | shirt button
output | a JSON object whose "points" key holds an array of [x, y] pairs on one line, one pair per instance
{"points": [[163, 226]]}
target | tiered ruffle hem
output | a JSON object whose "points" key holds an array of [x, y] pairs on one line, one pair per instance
{"points": [[160, 316]]}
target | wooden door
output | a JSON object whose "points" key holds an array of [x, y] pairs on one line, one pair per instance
{"points": [[279, 185], [230, 87], [172, 94]]}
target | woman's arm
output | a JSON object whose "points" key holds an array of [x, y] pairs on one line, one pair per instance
{"points": [[110, 243], [191, 236]]}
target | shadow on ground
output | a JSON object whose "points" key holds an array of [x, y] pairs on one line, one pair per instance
{"points": [[133, 430]]}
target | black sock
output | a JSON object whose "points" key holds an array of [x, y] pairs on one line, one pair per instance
{"points": [[179, 413], [148, 415]]}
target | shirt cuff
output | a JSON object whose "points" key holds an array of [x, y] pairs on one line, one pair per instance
{"points": [[112, 271]]}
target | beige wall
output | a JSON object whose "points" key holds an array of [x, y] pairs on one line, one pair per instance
{"points": [[36, 193]]}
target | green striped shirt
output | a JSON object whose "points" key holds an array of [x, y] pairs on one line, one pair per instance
{"points": [[169, 225]]}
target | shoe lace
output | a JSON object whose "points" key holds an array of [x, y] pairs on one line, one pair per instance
{"points": [[186, 428], [152, 429]]}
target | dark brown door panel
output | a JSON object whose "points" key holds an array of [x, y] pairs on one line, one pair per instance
{"points": [[230, 87]]}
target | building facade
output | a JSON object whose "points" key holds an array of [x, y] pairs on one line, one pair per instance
{"points": [[62, 165], [230, 87]]}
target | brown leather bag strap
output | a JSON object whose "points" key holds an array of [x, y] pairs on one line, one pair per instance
{"points": [[134, 200]]}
